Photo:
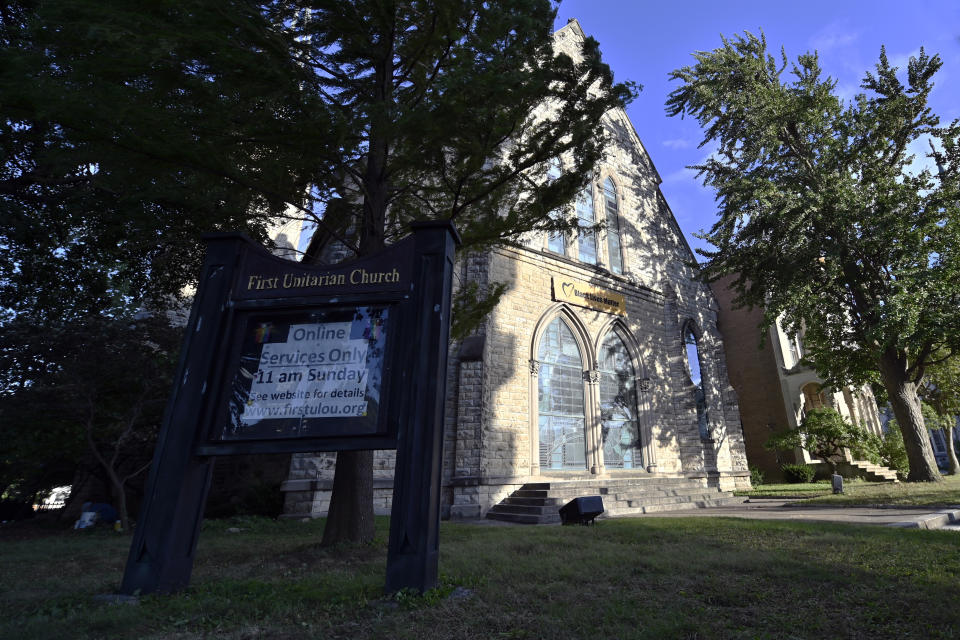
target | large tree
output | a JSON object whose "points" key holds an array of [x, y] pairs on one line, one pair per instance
{"points": [[825, 218], [440, 99], [128, 130]]}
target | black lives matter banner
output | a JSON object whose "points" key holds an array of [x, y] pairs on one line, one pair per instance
{"points": [[299, 370]]}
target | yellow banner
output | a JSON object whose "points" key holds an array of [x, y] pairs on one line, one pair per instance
{"points": [[586, 295]]}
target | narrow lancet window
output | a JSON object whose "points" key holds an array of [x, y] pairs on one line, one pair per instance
{"points": [[556, 242], [613, 226], [694, 369], [586, 219]]}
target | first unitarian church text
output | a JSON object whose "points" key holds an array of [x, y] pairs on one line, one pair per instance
{"points": [[297, 281]]}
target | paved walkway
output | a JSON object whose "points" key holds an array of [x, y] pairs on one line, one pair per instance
{"points": [[771, 509], [947, 518]]}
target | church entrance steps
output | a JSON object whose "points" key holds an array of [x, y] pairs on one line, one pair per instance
{"points": [[867, 471], [539, 502]]}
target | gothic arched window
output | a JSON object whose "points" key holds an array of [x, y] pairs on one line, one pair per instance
{"points": [[560, 401], [694, 370], [556, 242], [618, 405], [613, 226], [586, 219]]}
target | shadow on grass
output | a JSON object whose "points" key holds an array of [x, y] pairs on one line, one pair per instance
{"points": [[626, 578]]}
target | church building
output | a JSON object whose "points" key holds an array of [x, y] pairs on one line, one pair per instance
{"points": [[601, 370]]}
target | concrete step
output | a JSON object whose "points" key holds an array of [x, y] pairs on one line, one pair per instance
{"points": [[874, 472], [685, 500], [661, 493], [522, 500], [539, 502]]}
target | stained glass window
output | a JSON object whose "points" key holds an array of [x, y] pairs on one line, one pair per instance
{"points": [[618, 405], [560, 399]]}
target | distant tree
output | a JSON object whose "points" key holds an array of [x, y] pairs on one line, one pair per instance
{"points": [[824, 220], [825, 434], [103, 400], [940, 394], [440, 100], [892, 452]]}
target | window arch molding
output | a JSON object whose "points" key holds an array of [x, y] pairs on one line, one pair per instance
{"points": [[633, 346], [579, 330], [588, 364]]}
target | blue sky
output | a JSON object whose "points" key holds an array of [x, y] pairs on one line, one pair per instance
{"points": [[644, 41]]}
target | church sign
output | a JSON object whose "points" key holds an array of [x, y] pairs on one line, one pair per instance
{"points": [[586, 295], [281, 357]]}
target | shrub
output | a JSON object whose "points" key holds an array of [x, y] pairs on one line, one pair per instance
{"points": [[892, 452], [798, 473], [825, 434], [869, 449], [756, 476]]}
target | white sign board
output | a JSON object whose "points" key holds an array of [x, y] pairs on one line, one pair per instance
{"points": [[319, 372]]}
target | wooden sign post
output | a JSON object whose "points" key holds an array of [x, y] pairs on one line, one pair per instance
{"points": [[282, 357]]}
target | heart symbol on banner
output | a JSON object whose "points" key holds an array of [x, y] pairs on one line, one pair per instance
{"points": [[567, 292]]}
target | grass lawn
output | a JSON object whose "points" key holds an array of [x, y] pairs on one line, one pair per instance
{"points": [[859, 492], [623, 578]]}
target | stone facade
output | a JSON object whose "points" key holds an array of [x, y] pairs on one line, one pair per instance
{"points": [[493, 430]]}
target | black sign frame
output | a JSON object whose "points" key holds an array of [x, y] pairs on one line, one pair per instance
{"points": [[413, 279]]}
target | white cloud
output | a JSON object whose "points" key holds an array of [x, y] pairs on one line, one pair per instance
{"points": [[833, 36], [900, 60], [678, 143], [681, 175]]}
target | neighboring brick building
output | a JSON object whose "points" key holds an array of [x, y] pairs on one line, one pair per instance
{"points": [[776, 390], [589, 366]]}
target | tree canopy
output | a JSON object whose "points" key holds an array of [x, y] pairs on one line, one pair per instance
{"points": [[439, 99], [127, 131], [825, 217]]}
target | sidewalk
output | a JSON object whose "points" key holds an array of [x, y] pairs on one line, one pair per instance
{"points": [[774, 509]]}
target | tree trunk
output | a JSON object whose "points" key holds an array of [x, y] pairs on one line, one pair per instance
{"points": [[350, 518], [951, 452], [119, 499], [906, 409]]}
